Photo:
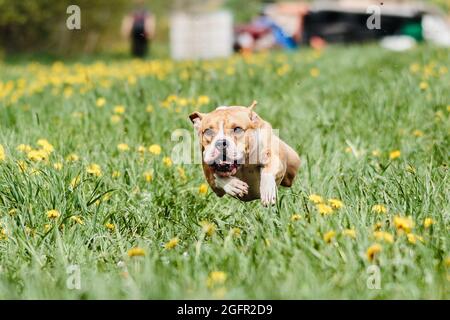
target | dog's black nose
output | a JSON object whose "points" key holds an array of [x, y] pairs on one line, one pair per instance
{"points": [[221, 144]]}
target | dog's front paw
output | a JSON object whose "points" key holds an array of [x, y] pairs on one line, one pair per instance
{"points": [[268, 189], [233, 186]]}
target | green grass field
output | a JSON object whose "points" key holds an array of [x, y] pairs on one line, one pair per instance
{"points": [[83, 186]]}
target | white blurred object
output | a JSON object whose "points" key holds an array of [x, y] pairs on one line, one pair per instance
{"points": [[436, 30], [201, 35], [398, 43], [245, 40]]}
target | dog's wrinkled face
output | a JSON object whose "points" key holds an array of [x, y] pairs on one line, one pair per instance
{"points": [[225, 135]]}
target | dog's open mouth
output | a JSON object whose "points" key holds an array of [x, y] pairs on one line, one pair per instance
{"points": [[225, 168]]}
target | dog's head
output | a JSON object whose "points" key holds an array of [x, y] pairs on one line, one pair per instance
{"points": [[226, 135]]}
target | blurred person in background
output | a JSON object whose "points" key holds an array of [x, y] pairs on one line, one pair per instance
{"points": [[139, 27]]}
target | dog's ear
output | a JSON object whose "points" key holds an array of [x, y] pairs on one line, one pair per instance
{"points": [[253, 116], [196, 119]]}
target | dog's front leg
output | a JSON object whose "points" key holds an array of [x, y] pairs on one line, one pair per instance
{"points": [[271, 174], [231, 185], [268, 189]]}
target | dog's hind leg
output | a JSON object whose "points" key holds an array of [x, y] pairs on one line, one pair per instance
{"points": [[292, 166]]}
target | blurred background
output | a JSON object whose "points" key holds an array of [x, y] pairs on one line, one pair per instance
{"points": [[187, 29]]}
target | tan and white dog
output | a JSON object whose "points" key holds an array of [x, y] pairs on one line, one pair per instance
{"points": [[241, 156]]}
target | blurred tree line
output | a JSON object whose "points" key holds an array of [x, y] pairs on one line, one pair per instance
{"points": [[40, 25]]}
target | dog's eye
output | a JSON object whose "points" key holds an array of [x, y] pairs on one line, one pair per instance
{"points": [[208, 132], [238, 130]]}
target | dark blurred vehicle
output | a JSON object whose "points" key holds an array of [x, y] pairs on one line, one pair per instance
{"points": [[346, 21], [291, 24]]}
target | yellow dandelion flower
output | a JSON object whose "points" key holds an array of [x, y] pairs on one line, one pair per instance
{"points": [[329, 236], [447, 262], [104, 198], [115, 118], [123, 147], [316, 199], [172, 98], [182, 102], [172, 243], [167, 161], [296, 217], [2, 153], [208, 228], [53, 214], [376, 153], [236, 232], [403, 224], [428, 222], [100, 102], [314, 72], [155, 149], [324, 209], [73, 157], [410, 169], [30, 231], [181, 172], [75, 182], [37, 155], [12, 212], [216, 278], [45, 145], [24, 148], [372, 251], [379, 208], [203, 189], [94, 169], [439, 115], [148, 176], [412, 238], [414, 68], [149, 108], [230, 71], [119, 109], [377, 226], [219, 293], [110, 226], [58, 166], [141, 149], [383, 236], [203, 100], [418, 133], [351, 233], [78, 115], [47, 227], [423, 85], [335, 203], [394, 154], [115, 174], [136, 252], [77, 219]]}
